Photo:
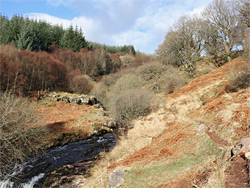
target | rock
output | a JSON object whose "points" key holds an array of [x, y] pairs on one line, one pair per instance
{"points": [[201, 128], [116, 178], [242, 147], [83, 100], [65, 99], [247, 155], [75, 100], [70, 166], [92, 100], [111, 124]]}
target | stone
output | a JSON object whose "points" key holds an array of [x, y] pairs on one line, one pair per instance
{"points": [[247, 155], [65, 99], [70, 166], [242, 147], [111, 124], [116, 178], [201, 128]]}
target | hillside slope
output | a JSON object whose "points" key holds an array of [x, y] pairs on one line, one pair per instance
{"points": [[186, 143]]}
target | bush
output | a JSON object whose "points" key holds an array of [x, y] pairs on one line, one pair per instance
{"points": [[239, 78], [79, 83], [100, 91], [17, 140], [162, 78], [172, 80], [131, 104], [126, 82], [152, 71], [127, 60]]}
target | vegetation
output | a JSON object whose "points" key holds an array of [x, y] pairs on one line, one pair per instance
{"points": [[131, 104], [34, 35], [130, 93], [25, 71], [161, 78], [37, 56], [221, 32], [18, 136], [128, 49], [239, 78], [38, 35]]}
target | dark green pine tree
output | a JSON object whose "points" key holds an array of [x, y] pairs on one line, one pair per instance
{"points": [[16, 23], [5, 34], [43, 36], [57, 33], [25, 38], [79, 40], [73, 39]]}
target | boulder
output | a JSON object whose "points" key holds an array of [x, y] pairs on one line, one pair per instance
{"points": [[242, 148], [116, 178], [92, 100], [65, 99], [84, 100], [111, 124]]}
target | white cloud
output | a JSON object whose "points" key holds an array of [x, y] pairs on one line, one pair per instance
{"points": [[118, 22], [91, 28], [57, 3]]}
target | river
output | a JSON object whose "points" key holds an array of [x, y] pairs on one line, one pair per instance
{"points": [[36, 171]]}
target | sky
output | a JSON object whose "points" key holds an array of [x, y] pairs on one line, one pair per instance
{"points": [[141, 23]]}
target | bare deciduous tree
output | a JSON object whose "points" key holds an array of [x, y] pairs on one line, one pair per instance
{"points": [[243, 9], [184, 43], [221, 15], [17, 139]]}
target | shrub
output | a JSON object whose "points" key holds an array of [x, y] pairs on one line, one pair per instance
{"points": [[172, 80], [100, 91], [127, 60], [131, 104], [126, 82], [162, 78], [115, 83], [238, 78], [16, 138], [79, 83], [152, 71]]}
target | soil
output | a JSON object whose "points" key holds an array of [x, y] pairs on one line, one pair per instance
{"points": [[237, 174]]}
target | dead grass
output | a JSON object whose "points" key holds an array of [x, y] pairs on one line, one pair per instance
{"points": [[238, 77], [60, 117], [167, 150], [141, 134], [171, 168]]}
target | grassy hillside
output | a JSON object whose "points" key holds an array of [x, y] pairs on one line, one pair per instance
{"points": [[187, 142]]}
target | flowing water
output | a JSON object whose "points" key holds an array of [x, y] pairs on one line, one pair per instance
{"points": [[32, 173]]}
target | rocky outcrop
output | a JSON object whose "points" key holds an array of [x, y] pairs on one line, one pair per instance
{"points": [[81, 99], [242, 148], [237, 174]]}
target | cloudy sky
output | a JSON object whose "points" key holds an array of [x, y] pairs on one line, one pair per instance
{"points": [[142, 23]]}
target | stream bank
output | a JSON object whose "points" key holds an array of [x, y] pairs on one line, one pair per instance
{"points": [[77, 133], [59, 165]]}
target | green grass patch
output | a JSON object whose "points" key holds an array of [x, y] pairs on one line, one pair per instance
{"points": [[161, 172], [47, 103]]}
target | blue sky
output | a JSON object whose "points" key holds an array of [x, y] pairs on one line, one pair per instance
{"points": [[142, 23]]}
